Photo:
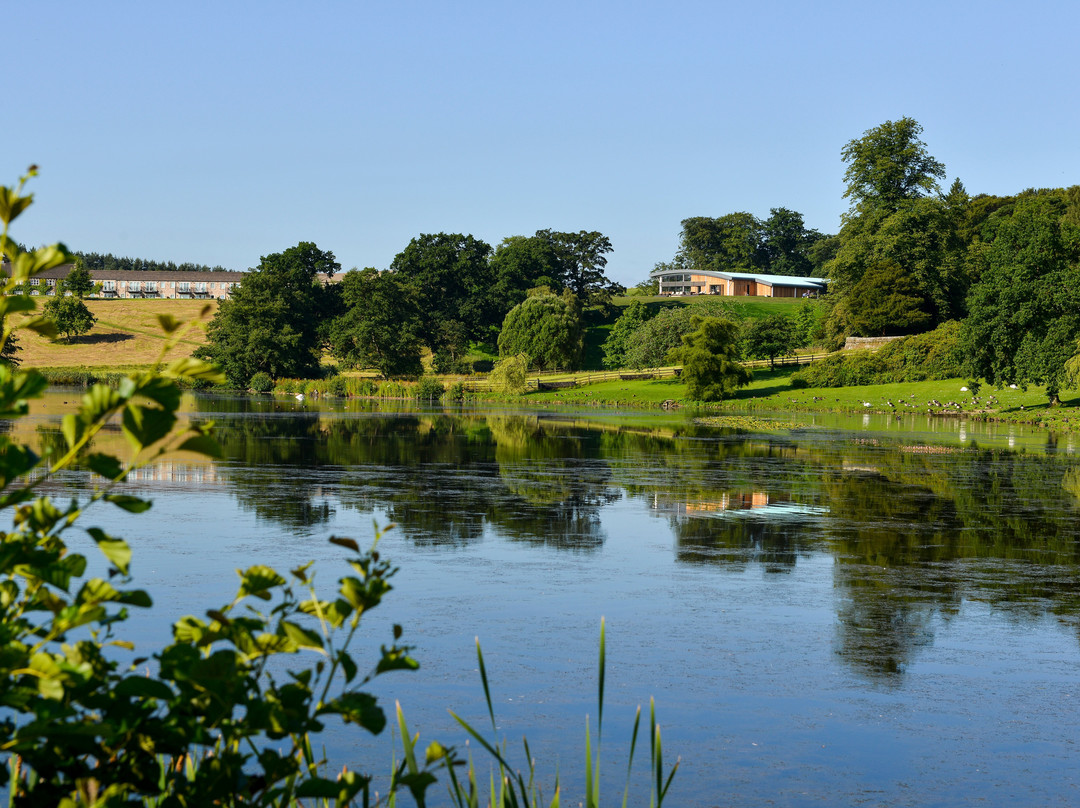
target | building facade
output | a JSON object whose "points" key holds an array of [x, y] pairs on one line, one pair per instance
{"points": [[737, 284], [139, 284]]}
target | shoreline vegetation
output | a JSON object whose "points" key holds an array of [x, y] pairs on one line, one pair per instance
{"points": [[769, 392], [115, 346]]}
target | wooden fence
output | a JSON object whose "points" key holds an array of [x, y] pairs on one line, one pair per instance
{"points": [[556, 380]]}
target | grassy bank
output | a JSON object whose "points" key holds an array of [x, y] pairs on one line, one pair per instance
{"points": [[771, 392], [127, 335]]}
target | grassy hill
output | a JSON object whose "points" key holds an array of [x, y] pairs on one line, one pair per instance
{"points": [[127, 335]]}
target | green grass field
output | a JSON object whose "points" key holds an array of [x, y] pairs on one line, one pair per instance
{"points": [[771, 392]]}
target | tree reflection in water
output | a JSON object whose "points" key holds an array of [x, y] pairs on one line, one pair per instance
{"points": [[913, 530]]}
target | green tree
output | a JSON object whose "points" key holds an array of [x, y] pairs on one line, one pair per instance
{"points": [[545, 327], [770, 337], [787, 243], [1024, 313], [886, 302], [729, 243], [452, 279], [709, 357], [78, 280], [583, 257], [656, 337], [620, 338], [381, 325], [888, 165], [70, 314], [508, 375], [275, 321], [521, 263]]}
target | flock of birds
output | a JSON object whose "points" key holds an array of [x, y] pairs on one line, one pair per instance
{"points": [[931, 404]]}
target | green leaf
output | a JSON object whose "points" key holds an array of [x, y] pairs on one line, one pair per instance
{"points": [[191, 368], [395, 659], [305, 638], [143, 687], [129, 503], [319, 788], [257, 580], [345, 542], [168, 323], [201, 444], [358, 708], [116, 550], [162, 391], [41, 325], [145, 426], [347, 666], [107, 466]]}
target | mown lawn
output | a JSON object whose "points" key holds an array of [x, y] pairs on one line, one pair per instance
{"points": [[127, 334], [771, 392]]}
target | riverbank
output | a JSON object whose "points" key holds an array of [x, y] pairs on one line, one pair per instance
{"points": [[771, 391]]}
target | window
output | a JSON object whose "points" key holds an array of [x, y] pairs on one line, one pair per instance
{"points": [[151, 286], [185, 286], [35, 281], [134, 286], [108, 286], [200, 287]]}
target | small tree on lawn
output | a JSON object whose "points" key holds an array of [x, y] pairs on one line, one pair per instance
{"points": [[771, 337], [709, 357], [70, 314], [78, 281]]}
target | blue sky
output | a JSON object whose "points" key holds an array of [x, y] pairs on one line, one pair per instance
{"points": [[217, 132]]}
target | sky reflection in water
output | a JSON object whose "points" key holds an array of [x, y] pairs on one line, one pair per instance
{"points": [[871, 612]]}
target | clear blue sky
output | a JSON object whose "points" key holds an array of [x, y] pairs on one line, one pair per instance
{"points": [[217, 132]]}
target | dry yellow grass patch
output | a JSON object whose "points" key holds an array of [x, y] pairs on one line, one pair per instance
{"points": [[127, 333]]}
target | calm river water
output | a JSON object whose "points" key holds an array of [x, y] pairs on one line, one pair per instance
{"points": [[858, 611]]}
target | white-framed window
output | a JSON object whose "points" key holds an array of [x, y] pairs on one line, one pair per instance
{"points": [[200, 287], [134, 286], [108, 286], [35, 281], [185, 286], [151, 286]]}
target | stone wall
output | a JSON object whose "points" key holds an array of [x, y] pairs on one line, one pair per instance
{"points": [[873, 343]]}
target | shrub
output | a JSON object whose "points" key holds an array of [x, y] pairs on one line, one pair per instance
{"points": [[929, 356], [456, 392], [483, 366], [798, 381], [287, 386], [509, 374], [366, 387], [337, 386], [428, 389], [261, 382]]}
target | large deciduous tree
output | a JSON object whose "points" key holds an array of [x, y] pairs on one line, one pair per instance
{"points": [[888, 165], [545, 327], [1024, 313], [275, 320], [732, 242], [709, 357], [453, 282], [886, 302], [381, 325], [621, 336]]}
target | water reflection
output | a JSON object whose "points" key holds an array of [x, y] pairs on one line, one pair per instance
{"points": [[913, 526]]}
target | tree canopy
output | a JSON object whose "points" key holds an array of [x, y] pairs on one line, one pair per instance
{"points": [[70, 314], [453, 281], [1024, 313], [709, 357], [273, 321], [381, 326], [546, 328], [888, 165]]}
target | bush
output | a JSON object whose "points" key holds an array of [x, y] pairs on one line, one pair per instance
{"points": [[798, 381], [509, 375], [428, 389], [261, 382], [337, 386], [483, 366], [930, 356], [365, 387], [456, 392]]}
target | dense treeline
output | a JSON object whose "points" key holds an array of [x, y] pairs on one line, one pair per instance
{"points": [[909, 257], [113, 263]]}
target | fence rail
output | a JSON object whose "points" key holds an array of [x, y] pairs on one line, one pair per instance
{"points": [[555, 380]]}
